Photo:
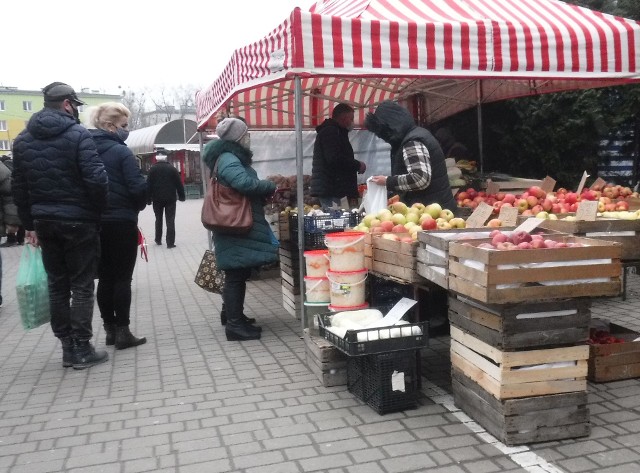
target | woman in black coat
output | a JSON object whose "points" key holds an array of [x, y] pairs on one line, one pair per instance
{"points": [[119, 223]]}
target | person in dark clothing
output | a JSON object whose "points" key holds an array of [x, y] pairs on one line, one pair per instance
{"points": [[119, 226], [60, 187], [333, 172], [450, 147], [237, 255], [164, 184], [418, 169], [13, 227]]}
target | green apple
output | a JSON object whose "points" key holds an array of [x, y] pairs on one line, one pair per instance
{"points": [[384, 215], [398, 219], [433, 210], [412, 216]]}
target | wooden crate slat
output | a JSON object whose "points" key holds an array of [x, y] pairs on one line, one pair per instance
{"points": [[399, 259], [429, 258], [433, 274]]}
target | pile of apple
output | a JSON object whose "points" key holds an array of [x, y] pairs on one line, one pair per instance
{"points": [[521, 240], [399, 218], [536, 202]]}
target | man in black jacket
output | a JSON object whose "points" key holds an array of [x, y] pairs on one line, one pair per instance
{"points": [[164, 184], [60, 187], [334, 168]]}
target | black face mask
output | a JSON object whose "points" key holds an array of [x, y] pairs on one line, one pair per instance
{"points": [[75, 113]]}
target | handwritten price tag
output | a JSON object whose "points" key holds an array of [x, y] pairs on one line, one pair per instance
{"points": [[587, 210], [582, 181], [508, 216], [548, 184], [479, 215]]}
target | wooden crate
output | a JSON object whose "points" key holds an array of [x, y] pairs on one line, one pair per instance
{"points": [[524, 420], [616, 361], [283, 227], [502, 276], [513, 374], [324, 360], [523, 325], [394, 258], [625, 232], [291, 302]]}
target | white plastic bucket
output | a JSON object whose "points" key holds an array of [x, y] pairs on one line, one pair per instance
{"points": [[316, 289], [346, 251], [347, 287], [336, 308], [316, 262]]}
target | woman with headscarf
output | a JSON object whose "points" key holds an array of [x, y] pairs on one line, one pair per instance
{"points": [[237, 255]]}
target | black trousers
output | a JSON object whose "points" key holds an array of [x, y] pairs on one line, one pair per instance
{"points": [[70, 252], [119, 243], [169, 210], [235, 288]]}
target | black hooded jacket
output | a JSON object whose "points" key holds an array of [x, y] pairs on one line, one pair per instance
{"points": [[334, 169], [395, 125]]}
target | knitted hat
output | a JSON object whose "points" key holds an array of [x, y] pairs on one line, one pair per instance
{"points": [[231, 129]]}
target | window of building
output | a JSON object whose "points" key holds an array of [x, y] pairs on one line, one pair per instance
{"points": [[4, 145], [1, 105], [3, 125], [26, 105]]}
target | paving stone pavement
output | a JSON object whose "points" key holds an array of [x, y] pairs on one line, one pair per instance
{"points": [[189, 401]]}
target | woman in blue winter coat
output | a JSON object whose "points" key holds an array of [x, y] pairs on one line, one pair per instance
{"points": [[119, 223], [236, 255]]}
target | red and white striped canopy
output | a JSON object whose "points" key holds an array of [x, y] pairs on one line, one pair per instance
{"points": [[454, 54]]}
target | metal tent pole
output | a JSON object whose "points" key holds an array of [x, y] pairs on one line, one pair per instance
{"points": [[300, 196], [480, 139]]}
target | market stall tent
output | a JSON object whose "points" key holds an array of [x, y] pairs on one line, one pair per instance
{"points": [[439, 57], [455, 54]]}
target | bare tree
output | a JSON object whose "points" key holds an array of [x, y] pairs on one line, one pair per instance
{"points": [[135, 102]]}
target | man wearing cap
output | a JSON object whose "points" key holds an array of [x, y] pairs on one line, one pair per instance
{"points": [[60, 187], [165, 187]]}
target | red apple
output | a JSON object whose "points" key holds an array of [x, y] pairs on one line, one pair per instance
{"points": [[537, 244], [536, 209], [499, 238], [509, 198], [537, 192], [525, 245], [571, 198], [429, 223], [622, 205], [494, 222], [547, 205], [399, 229], [462, 195]]}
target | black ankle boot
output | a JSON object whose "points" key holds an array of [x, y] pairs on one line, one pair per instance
{"points": [[67, 351], [110, 331], [125, 339], [223, 315], [241, 331], [84, 355]]}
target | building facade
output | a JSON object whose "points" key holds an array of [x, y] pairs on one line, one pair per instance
{"points": [[17, 106]]}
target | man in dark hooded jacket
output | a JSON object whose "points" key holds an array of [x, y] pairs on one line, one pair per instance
{"points": [[418, 169], [333, 172], [60, 187]]}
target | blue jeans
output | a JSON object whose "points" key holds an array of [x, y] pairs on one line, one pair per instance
{"points": [[70, 253]]}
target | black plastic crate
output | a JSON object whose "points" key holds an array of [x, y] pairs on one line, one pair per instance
{"points": [[384, 293], [371, 379], [373, 340], [317, 226]]}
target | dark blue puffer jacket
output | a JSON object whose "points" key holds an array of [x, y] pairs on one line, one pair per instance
{"points": [[57, 173], [127, 186]]}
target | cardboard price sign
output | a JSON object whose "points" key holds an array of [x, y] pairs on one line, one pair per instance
{"points": [[587, 210], [548, 184], [492, 187], [479, 216], [598, 183], [508, 216], [582, 181], [529, 225]]}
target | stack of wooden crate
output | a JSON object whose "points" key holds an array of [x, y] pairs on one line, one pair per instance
{"points": [[290, 277], [324, 360], [391, 257], [519, 368]]}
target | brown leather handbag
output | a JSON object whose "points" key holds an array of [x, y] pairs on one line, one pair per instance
{"points": [[225, 210]]}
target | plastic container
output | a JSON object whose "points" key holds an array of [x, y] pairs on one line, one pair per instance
{"points": [[347, 288], [316, 263], [316, 289], [346, 251]]}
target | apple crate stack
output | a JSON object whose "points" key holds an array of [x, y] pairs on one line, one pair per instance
{"points": [[519, 368], [393, 255]]}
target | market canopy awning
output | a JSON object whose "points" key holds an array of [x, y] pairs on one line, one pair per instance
{"points": [[454, 53], [175, 134]]}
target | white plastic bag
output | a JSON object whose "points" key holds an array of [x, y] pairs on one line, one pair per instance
{"points": [[375, 198]]}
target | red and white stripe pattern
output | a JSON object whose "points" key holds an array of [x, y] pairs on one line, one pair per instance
{"points": [[455, 52]]}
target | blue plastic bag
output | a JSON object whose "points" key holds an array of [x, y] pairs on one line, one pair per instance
{"points": [[32, 289]]}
